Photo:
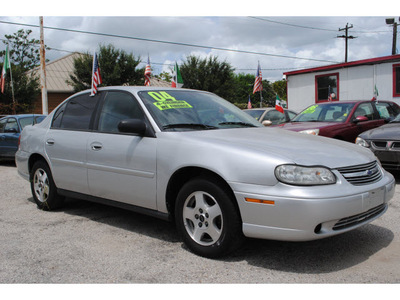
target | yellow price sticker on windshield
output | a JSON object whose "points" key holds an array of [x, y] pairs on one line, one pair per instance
{"points": [[166, 101], [310, 110]]}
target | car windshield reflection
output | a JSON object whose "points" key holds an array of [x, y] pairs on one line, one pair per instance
{"points": [[187, 110], [328, 112]]}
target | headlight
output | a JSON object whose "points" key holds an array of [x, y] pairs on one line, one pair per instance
{"points": [[310, 131], [362, 142], [299, 175]]}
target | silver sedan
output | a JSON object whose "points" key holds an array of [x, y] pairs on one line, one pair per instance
{"points": [[193, 158]]}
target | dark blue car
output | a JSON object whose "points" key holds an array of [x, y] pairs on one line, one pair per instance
{"points": [[10, 129]]}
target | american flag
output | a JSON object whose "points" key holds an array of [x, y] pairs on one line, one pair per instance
{"points": [[249, 104], [96, 77], [147, 73], [258, 82]]}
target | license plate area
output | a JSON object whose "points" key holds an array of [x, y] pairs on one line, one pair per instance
{"points": [[373, 198]]}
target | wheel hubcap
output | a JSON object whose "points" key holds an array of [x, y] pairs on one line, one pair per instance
{"points": [[203, 218], [41, 185]]}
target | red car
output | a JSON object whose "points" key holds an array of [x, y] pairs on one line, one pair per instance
{"points": [[343, 120]]}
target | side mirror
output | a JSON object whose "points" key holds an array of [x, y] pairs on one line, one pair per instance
{"points": [[267, 123], [360, 119], [135, 126]]}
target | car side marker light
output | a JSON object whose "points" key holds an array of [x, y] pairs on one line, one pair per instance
{"points": [[269, 202]]}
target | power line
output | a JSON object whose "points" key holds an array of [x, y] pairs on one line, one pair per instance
{"points": [[293, 25], [169, 42], [316, 28]]}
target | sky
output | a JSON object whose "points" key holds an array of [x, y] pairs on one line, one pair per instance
{"points": [[283, 37]]}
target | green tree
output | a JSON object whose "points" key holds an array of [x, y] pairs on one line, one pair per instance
{"points": [[279, 87], [243, 88], [164, 76], [116, 68], [208, 74], [24, 55]]}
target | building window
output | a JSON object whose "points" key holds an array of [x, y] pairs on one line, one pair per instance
{"points": [[396, 80], [327, 87]]}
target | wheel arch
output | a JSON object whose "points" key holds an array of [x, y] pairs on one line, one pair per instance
{"points": [[33, 159], [184, 175]]}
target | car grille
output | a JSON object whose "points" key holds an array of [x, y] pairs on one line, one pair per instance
{"points": [[357, 219], [389, 145], [362, 174]]}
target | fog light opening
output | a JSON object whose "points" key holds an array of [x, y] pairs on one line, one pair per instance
{"points": [[318, 228]]}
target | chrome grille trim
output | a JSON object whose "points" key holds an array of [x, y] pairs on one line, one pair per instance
{"points": [[362, 174], [360, 218]]}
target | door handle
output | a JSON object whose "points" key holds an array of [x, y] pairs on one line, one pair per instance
{"points": [[96, 146], [50, 142]]}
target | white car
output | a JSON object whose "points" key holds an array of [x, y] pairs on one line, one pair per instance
{"points": [[194, 158]]}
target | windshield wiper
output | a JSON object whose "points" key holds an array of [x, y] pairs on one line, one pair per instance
{"points": [[238, 123], [189, 125]]}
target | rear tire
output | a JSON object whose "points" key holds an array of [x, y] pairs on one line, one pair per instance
{"points": [[43, 189], [207, 219]]}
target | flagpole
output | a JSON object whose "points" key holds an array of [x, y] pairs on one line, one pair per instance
{"points": [[12, 92]]}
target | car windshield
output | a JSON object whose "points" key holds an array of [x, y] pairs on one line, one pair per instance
{"points": [[255, 113], [193, 110], [327, 112]]}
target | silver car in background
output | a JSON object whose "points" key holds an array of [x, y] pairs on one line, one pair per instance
{"points": [[194, 158]]}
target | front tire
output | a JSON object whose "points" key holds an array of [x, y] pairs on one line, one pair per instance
{"points": [[207, 219], [43, 189]]}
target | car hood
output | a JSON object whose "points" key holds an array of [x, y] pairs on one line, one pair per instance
{"points": [[299, 126], [389, 131], [279, 145]]}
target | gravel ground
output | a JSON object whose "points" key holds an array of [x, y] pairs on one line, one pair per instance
{"points": [[91, 243]]}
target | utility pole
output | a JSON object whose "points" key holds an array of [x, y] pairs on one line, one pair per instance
{"points": [[43, 70], [346, 37], [391, 21]]}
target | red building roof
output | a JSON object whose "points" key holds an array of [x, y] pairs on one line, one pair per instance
{"points": [[371, 61]]}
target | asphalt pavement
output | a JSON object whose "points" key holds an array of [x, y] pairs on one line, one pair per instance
{"points": [[92, 243]]}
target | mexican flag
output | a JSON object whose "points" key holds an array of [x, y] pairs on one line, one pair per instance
{"points": [[6, 67], [177, 81], [278, 105]]}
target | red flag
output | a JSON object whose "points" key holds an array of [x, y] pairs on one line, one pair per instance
{"points": [[258, 81], [147, 73], [278, 105], [96, 77]]}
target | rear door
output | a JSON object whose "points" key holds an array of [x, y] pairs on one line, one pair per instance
{"points": [[66, 142], [121, 166]]}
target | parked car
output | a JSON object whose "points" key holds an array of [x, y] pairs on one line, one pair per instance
{"points": [[384, 141], [10, 129], [270, 116], [192, 157], [343, 120]]}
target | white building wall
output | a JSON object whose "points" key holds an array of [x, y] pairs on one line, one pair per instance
{"points": [[355, 83]]}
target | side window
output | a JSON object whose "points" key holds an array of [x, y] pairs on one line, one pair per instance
{"points": [[58, 116], [275, 117], [78, 112], [3, 124], [386, 110], [11, 126], [118, 106], [366, 110]]}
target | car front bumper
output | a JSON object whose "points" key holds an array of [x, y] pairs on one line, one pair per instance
{"points": [[293, 213]]}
